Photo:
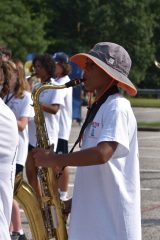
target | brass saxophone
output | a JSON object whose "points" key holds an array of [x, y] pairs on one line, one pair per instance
{"points": [[45, 216]]}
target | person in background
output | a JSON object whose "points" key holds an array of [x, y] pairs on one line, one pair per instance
{"points": [[18, 99], [8, 150], [21, 70], [30, 75], [77, 96], [6, 53], [106, 196], [63, 68], [50, 100], [1, 72]]}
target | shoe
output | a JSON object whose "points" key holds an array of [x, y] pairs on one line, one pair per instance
{"points": [[67, 206], [18, 236], [22, 237]]}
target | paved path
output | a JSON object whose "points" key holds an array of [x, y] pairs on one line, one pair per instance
{"points": [[149, 149]]}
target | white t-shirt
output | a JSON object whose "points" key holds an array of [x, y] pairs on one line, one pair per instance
{"points": [[8, 148], [106, 199], [48, 96], [22, 107], [65, 122]]}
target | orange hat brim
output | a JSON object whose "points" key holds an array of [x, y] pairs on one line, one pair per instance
{"points": [[123, 81]]}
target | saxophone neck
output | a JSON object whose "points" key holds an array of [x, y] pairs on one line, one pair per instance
{"points": [[74, 83]]}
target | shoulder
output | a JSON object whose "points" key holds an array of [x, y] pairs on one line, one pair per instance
{"points": [[26, 95], [117, 101], [6, 113], [52, 81], [8, 126], [63, 79]]}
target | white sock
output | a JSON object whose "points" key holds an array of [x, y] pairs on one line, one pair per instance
{"points": [[63, 195], [21, 232]]}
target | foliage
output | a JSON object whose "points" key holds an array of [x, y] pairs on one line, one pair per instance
{"points": [[144, 102], [149, 125], [20, 29], [75, 26], [78, 26]]}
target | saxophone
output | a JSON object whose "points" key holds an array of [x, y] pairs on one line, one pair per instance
{"points": [[45, 216]]}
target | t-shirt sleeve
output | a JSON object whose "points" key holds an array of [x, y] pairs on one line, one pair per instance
{"points": [[58, 96], [115, 128], [27, 108]]}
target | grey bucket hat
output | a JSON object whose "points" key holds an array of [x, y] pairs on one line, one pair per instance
{"points": [[111, 58]]}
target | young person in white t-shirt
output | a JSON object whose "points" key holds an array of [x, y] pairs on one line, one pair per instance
{"points": [[8, 148], [63, 68], [106, 197], [16, 97], [50, 100]]}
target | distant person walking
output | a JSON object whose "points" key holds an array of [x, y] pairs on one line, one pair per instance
{"points": [[62, 71]]}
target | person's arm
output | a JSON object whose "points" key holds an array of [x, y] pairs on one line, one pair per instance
{"points": [[50, 108], [91, 156], [22, 122]]}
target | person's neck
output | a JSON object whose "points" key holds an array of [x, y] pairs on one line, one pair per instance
{"points": [[45, 79], [11, 89], [100, 92]]}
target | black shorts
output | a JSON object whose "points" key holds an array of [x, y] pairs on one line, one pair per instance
{"points": [[19, 168], [30, 147], [62, 146]]}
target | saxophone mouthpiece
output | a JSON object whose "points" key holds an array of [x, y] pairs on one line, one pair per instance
{"points": [[75, 82]]}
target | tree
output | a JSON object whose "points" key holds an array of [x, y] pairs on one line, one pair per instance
{"points": [[20, 29], [152, 79], [76, 26]]}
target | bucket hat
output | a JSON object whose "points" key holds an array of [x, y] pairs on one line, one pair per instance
{"points": [[111, 58]]}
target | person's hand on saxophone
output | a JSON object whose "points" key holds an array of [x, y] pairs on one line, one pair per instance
{"points": [[46, 158]]}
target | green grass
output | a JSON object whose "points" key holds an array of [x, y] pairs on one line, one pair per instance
{"points": [[149, 125], [144, 102]]}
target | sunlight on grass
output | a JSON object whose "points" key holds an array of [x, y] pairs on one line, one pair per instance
{"points": [[144, 102], [149, 124]]}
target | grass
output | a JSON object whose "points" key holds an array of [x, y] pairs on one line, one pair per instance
{"points": [[144, 102], [149, 125]]}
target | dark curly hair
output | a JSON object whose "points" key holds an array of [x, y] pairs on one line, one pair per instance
{"points": [[47, 62]]}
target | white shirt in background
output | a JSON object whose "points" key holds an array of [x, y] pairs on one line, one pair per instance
{"points": [[48, 96], [22, 107], [65, 122]]}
